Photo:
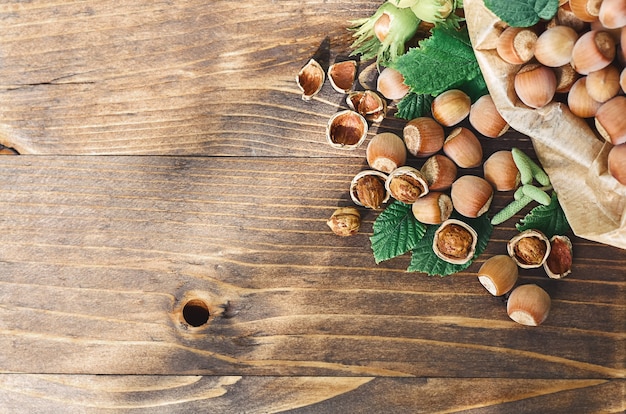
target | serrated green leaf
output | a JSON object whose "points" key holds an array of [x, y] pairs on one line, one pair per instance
{"points": [[550, 219], [443, 61], [413, 106], [424, 259], [395, 232], [523, 13]]}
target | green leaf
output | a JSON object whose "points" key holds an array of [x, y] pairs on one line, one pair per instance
{"points": [[443, 61], [414, 106], [396, 231], [424, 259], [523, 13], [550, 219]]}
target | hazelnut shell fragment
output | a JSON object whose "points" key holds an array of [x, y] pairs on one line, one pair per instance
{"points": [[310, 79], [342, 75], [558, 264], [346, 130]]}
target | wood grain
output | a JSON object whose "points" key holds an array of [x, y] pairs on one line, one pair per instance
{"points": [[234, 394], [99, 254], [168, 77]]}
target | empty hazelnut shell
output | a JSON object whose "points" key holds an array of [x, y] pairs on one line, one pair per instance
{"points": [[346, 130], [310, 79]]}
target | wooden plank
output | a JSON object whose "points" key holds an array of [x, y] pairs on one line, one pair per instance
{"points": [[99, 254], [157, 77], [180, 394]]}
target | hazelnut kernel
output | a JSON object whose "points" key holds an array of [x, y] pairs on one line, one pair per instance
{"points": [[345, 221], [530, 250], [370, 191], [454, 241]]}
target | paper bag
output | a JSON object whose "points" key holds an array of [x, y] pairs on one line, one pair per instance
{"points": [[568, 149]]}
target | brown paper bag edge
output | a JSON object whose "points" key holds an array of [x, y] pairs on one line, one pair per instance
{"points": [[569, 151]]}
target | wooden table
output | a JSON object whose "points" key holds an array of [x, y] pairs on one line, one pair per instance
{"points": [[166, 156]]}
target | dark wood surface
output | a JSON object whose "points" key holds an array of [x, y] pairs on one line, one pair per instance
{"points": [[166, 155]]}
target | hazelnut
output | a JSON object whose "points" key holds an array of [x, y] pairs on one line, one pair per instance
{"points": [[498, 274], [501, 171], [463, 147], [528, 305], [434, 208], [585, 10], [559, 262], [593, 51], [406, 184], [439, 171], [423, 136], [554, 46], [367, 189], [390, 84], [346, 130], [610, 120], [386, 152], [455, 242], [603, 84], [451, 107], [579, 102], [486, 119], [345, 221], [535, 85], [471, 195], [516, 45], [617, 163], [612, 14], [310, 79]]}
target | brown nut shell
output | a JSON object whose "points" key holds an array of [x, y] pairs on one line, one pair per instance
{"points": [[500, 170], [471, 195], [367, 189], [554, 46], [423, 136], [579, 102], [529, 249], [342, 75], [498, 274], [367, 103], [535, 85], [346, 130], [310, 79], [593, 51], [528, 305], [559, 261], [451, 107], [386, 152], [516, 45], [390, 84], [610, 120], [406, 184], [603, 84], [434, 208], [455, 242], [586, 10], [616, 163], [440, 172], [486, 119], [463, 147]]}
